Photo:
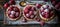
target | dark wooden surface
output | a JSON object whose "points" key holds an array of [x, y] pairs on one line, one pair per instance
{"points": [[29, 25], [34, 25]]}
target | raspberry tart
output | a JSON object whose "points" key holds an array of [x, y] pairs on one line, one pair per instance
{"points": [[13, 12], [46, 12], [30, 12]]}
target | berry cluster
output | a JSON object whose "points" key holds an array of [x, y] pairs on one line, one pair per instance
{"points": [[11, 2]]}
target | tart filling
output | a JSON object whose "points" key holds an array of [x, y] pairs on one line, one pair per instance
{"points": [[13, 12], [46, 12], [29, 12]]}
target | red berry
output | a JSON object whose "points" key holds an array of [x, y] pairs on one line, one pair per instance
{"points": [[32, 16], [33, 8], [42, 13], [47, 16], [17, 14], [46, 11], [16, 9], [6, 5], [11, 2], [38, 5], [30, 12], [26, 11], [13, 12], [43, 16], [12, 16], [28, 7], [28, 15], [41, 9], [35, 12]]}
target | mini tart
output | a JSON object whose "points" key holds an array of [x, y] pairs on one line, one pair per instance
{"points": [[25, 15], [50, 16], [16, 17]]}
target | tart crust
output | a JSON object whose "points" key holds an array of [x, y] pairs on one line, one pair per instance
{"points": [[12, 18]]}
